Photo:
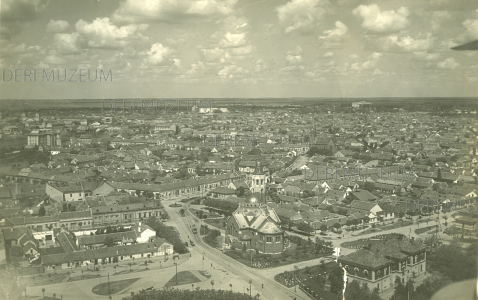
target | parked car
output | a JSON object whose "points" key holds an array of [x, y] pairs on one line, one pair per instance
{"points": [[192, 243]]}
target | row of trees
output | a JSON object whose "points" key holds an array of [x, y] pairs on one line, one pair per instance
{"points": [[223, 205], [447, 264], [168, 233], [197, 294], [211, 237]]}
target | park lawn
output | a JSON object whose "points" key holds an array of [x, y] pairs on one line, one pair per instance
{"points": [[83, 277], [103, 289], [424, 229], [245, 258], [45, 279], [311, 280], [358, 244], [218, 223], [184, 277]]}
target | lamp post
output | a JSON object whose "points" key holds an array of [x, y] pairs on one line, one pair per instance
{"points": [[176, 264], [250, 287], [109, 287]]}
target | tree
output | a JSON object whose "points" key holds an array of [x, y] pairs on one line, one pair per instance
{"points": [[369, 186], [16, 254], [355, 292], [307, 194], [323, 228], [336, 277], [401, 214], [454, 261], [337, 226], [42, 211], [349, 223], [109, 241], [432, 284], [240, 191]]}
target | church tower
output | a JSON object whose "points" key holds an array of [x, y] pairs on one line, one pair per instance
{"points": [[259, 181]]}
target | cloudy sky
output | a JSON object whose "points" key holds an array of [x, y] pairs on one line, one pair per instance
{"points": [[242, 48]]}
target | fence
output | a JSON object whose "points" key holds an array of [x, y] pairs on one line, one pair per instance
{"points": [[31, 270]]}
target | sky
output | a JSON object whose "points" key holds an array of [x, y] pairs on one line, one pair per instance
{"points": [[238, 48]]}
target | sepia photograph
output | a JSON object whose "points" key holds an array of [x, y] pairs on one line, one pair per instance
{"points": [[239, 150]]}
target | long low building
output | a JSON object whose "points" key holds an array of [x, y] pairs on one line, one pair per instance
{"points": [[185, 187], [158, 247]]}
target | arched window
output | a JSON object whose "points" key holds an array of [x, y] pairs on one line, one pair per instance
{"points": [[378, 272], [365, 272], [356, 269]]}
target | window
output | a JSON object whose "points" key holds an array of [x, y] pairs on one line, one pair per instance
{"points": [[277, 238], [261, 237], [269, 239]]}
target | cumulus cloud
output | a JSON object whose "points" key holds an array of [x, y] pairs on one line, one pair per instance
{"points": [[213, 54], [449, 63], [301, 14], [231, 71], [293, 59], [339, 31], [67, 43], [170, 10], [408, 43], [101, 33], [233, 40], [374, 19], [370, 63], [157, 55], [57, 26]]}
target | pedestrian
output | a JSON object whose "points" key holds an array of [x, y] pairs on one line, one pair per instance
{"points": [[211, 265], [262, 285]]}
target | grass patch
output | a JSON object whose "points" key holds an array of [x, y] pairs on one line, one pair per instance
{"points": [[184, 277], [37, 280], [424, 229], [103, 289], [83, 277], [359, 244], [291, 255], [218, 223]]}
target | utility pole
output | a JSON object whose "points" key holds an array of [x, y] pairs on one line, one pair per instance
{"points": [[109, 287]]}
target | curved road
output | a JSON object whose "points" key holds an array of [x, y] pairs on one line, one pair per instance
{"points": [[271, 290]]}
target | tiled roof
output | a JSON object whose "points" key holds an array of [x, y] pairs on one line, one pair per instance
{"points": [[365, 258]]}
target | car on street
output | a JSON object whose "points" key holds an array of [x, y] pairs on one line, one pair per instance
{"points": [[192, 243]]}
